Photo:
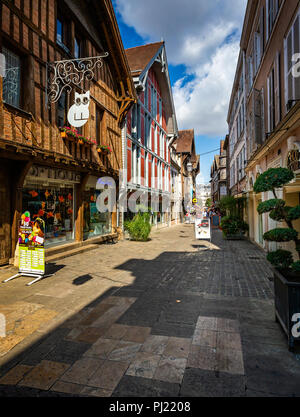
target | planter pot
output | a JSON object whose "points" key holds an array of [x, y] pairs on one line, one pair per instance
{"points": [[287, 303]]}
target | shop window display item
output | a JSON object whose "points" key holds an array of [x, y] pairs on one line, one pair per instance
{"points": [[54, 206]]}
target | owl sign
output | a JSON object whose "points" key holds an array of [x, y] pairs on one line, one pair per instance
{"points": [[79, 113]]}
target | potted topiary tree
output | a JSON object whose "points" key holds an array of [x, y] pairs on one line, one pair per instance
{"points": [[286, 271], [234, 228], [232, 225]]}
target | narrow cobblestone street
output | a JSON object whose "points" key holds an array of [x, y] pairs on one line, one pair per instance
{"points": [[171, 317]]}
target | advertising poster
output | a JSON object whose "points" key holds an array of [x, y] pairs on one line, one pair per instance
{"points": [[31, 245], [202, 229]]}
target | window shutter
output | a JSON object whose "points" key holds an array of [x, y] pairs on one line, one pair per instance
{"points": [[277, 90], [262, 30], [257, 111], [267, 19]]}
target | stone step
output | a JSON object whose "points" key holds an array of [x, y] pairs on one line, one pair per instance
{"points": [[70, 252]]}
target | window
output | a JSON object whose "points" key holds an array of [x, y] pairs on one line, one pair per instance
{"points": [[138, 164], [272, 11], [146, 169], [62, 33], [99, 118], [258, 127], [138, 121], [134, 122], [61, 113], [59, 31], [259, 42], [152, 99], [12, 79], [159, 174], [133, 163], [77, 48], [292, 46], [152, 172], [160, 111], [155, 139], [257, 51], [250, 73], [278, 88], [154, 102], [146, 95], [271, 101]]}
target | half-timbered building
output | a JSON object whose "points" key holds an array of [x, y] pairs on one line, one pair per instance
{"points": [[46, 168], [151, 126]]}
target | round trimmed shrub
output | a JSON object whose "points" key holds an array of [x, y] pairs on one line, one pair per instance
{"points": [[296, 267], [272, 179], [269, 205], [281, 258], [294, 213], [281, 235], [279, 215]]}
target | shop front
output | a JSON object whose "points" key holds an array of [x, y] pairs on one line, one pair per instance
{"points": [[51, 195]]}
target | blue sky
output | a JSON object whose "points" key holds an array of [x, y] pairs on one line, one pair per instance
{"points": [[202, 44]]}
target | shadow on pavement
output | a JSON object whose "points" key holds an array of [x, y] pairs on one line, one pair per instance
{"points": [[198, 280]]}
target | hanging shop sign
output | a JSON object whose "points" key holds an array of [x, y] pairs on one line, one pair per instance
{"points": [[202, 229], [31, 245], [79, 113]]}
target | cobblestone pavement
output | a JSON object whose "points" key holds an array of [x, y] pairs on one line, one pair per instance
{"points": [[171, 317]]}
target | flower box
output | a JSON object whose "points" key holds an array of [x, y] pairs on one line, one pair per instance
{"points": [[104, 149], [72, 134]]}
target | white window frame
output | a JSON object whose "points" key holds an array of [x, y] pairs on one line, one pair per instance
{"points": [[274, 9], [146, 170], [288, 71]]}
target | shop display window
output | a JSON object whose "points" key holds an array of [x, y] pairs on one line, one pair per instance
{"points": [[55, 205], [94, 222]]}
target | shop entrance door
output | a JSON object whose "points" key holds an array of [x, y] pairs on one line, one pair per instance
{"points": [[5, 229]]}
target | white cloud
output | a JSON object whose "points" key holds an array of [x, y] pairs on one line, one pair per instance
{"points": [[204, 36], [203, 102]]}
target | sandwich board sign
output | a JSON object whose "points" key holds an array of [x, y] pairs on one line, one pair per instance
{"points": [[31, 239], [203, 229]]}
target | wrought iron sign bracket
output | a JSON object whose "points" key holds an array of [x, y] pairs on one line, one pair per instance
{"points": [[64, 75]]}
